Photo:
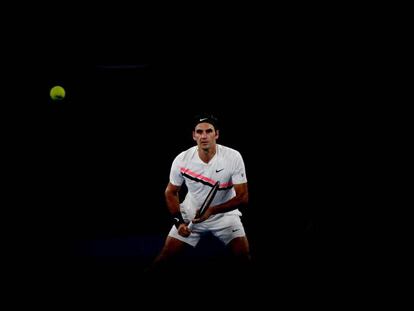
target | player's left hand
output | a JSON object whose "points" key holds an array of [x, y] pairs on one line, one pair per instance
{"points": [[183, 230]]}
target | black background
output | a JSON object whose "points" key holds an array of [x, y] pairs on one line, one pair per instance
{"points": [[96, 164], [88, 173]]}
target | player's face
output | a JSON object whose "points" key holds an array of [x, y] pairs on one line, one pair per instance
{"points": [[205, 135]]}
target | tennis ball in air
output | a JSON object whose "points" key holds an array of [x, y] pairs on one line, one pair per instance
{"points": [[57, 92]]}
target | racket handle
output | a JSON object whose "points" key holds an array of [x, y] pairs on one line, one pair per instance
{"points": [[190, 225]]}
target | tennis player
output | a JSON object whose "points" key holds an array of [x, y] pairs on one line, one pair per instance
{"points": [[200, 167]]}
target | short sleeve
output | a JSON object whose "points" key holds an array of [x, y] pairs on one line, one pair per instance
{"points": [[239, 175], [176, 178]]}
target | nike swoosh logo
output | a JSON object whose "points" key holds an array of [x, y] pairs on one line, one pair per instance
{"points": [[201, 120], [219, 170], [234, 230]]}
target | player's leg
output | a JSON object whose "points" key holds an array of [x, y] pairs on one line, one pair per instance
{"points": [[171, 249], [229, 229], [239, 247], [174, 245], [241, 264]]}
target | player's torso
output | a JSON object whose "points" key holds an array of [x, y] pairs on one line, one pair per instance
{"points": [[200, 176]]}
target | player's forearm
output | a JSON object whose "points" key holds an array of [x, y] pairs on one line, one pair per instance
{"points": [[173, 202], [231, 204]]}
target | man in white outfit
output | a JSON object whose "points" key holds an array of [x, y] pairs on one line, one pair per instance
{"points": [[200, 167]]}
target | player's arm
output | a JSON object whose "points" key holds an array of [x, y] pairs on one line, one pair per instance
{"points": [[241, 199], [173, 203]]}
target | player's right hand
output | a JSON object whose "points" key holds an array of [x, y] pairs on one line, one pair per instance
{"points": [[183, 230]]}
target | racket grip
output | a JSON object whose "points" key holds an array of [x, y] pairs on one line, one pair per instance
{"points": [[190, 225]]}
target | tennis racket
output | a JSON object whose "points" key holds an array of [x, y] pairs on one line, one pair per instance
{"points": [[209, 198]]}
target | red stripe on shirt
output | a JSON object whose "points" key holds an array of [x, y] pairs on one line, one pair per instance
{"points": [[204, 178]]}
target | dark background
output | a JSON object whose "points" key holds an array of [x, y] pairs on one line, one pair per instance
{"points": [[97, 163], [89, 172]]}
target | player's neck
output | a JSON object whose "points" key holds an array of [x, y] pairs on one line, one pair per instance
{"points": [[207, 154]]}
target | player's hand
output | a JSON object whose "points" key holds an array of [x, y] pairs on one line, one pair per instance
{"points": [[205, 216], [183, 230]]}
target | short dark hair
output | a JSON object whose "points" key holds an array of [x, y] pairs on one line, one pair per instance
{"points": [[205, 117]]}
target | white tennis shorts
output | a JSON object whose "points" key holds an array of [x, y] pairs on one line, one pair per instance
{"points": [[225, 227]]}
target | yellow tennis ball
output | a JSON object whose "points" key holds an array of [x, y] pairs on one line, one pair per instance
{"points": [[57, 92]]}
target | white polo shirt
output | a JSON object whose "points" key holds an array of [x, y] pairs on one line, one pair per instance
{"points": [[226, 166]]}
